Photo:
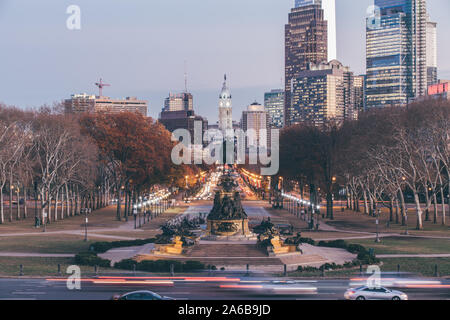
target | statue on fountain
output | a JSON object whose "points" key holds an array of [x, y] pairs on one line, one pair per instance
{"points": [[227, 217]]}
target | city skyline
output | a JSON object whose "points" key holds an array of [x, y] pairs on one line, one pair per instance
{"points": [[41, 73]]}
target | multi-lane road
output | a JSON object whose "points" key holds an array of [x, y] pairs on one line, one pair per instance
{"points": [[218, 287]]}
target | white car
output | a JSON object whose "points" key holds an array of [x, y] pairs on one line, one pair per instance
{"points": [[366, 293]]}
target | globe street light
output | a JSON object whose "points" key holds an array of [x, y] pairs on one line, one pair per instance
{"points": [[377, 240], [406, 221]]}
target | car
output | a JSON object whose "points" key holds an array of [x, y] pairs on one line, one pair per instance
{"points": [[140, 295], [374, 293]]}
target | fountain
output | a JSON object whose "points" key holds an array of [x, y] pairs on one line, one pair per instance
{"points": [[227, 219]]}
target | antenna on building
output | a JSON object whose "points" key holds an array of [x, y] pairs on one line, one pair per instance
{"points": [[100, 86], [185, 76]]}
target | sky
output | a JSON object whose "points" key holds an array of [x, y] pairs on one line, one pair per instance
{"points": [[140, 48]]}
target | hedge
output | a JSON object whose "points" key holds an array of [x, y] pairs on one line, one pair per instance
{"points": [[102, 247], [364, 255], [159, 265], [91, 259]]}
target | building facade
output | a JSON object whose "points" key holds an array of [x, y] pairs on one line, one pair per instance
{"points": [[256, 120], [274, 105], [81, 103], [329, 7], [359, 87], [440, 90], [306, 42], [432, 67], [396, 52], [186, 119], [179, 102], [322, 93]]}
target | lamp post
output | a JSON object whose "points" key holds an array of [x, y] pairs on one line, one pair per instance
{"points": [[377, 240], [406, 222], [85, 224], [139, 211], [36, 218], [44, 218], [135, 215]]}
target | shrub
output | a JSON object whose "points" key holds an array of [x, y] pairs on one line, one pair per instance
{"points": [[102, 247], [193, 265], [363, 255], [356, 248], [334, 244], [159, 265], [126, 264], [91, 259], [307, 269]]}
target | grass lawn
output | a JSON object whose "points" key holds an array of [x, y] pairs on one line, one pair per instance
{"points": [[422, 266], [45, 244], [40, 267], [406, 245], [103, 218], [350, 220]]}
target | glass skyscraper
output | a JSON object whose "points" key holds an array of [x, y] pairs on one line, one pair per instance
{"points": [[305, 43], [329, 7], [274, 105], [396, 52]]}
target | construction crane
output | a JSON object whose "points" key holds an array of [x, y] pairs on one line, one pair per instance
{"points": [[100, 86]]}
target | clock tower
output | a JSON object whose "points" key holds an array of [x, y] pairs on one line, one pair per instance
{"points": [[225, 110]]}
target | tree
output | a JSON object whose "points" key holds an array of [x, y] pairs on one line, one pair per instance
{"points": [[134, 150]]}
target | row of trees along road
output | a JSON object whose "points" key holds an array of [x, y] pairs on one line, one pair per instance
{"points": [[68, 162], [377, 158]]}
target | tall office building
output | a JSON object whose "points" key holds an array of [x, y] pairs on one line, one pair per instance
{"points": [[274, 105], [359, 87], [179, 102], [432, 77], [81, 103], [323, 92], [396, 52], [257, 119], [329, 8], [183, 119], [306, 42]]}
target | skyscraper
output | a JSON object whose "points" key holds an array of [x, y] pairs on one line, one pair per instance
{"points": [[396, 52], [179, 102], [305, 42], [432, 77], [329, 8], [256, 118], [359, 87], [323, 92], [274, 105]]}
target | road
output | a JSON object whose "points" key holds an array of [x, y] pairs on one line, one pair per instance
{"points": [[195, 289]]}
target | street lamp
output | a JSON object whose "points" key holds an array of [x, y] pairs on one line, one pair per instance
{"points": [[135, 215], [377, 240], [406, 221], [86, 211]]}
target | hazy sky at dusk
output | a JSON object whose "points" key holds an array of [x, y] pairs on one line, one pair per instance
{"points": [[139, 46]]}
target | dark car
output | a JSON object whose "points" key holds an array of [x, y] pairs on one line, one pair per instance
{"points": [[140, 295]]}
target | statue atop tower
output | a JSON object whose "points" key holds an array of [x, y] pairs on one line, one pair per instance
{"points": [[225, 109]]}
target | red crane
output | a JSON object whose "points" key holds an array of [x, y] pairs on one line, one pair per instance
{"points": [[101, 85]]}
